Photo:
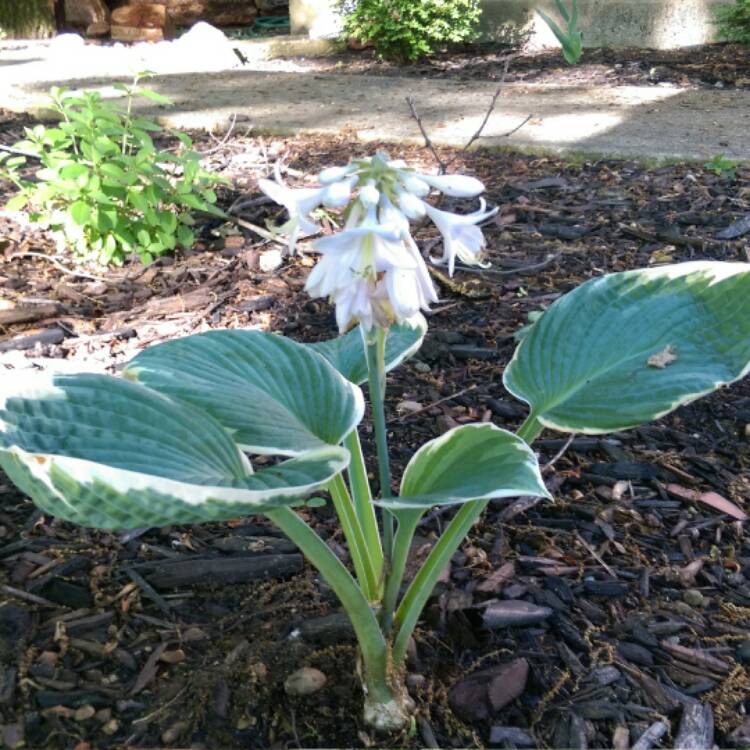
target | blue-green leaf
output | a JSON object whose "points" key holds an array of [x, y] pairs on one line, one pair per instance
{"points": [[275, 396], [347, 353], [104, 452], [629, 347], [471, 462]]}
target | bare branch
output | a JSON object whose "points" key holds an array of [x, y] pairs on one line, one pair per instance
{"points": [[427, 140], [443, 165]]}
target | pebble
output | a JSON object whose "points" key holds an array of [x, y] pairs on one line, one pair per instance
{"points": [[85, 712], [420, 366], [171, 734], [514, 613], [305, 681], [694, 598], [270, 260]]}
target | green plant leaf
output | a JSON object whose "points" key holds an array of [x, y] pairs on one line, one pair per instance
{"points": [[471, 462], [154, 96], [274, 395], [80, 212], [103, 452], [17, 202], [347, 353], [629, 347]]}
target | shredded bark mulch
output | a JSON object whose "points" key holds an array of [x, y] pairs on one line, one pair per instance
{"points": [[714, 65], [617, 614]]}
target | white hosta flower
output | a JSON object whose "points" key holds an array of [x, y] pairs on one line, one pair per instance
{"points": [[411, 206], [462, 238], [338, 194], [454, 185], [369, 195], [334, 174], [371, 273], [415, 185], [299, 202]]}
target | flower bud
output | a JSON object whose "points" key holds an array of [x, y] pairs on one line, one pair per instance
{"points": [[334, 174], [369, 195], [416, 186], [411, 206], [455, 185], [337, 194]]}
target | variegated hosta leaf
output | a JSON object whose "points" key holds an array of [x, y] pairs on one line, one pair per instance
{"points": [[104, 452], [629, 347], [472, 462], [347, 353], [274, 395]]}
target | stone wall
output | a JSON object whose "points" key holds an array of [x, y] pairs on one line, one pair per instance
{"points": [[662, 24], [613, 23]]}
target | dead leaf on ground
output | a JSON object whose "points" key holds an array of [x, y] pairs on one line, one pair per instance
{"points": [[714, 499]]}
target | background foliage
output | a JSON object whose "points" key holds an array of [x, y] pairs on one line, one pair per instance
{"points": [[734, 21], [26, 18], [408, 30]]}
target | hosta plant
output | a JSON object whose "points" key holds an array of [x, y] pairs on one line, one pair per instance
{"points": [[103, 187], [172, 440]]}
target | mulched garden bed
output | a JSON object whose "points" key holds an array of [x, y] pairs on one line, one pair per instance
{"points": [[714, 65], [620, 607]]}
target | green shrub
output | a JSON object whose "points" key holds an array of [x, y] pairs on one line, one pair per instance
{"points": [[408, 30], [103, 189], [734, 21]]}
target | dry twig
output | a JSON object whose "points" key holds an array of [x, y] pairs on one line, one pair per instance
{"points": [[443, 165]]}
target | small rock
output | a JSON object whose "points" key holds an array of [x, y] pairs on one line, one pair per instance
{"points": [[305, 681], [172, 733], [512, 613], [172, 657], [513, 736], [420, 366], [111, 727], [408, 407], [694, 598], [270, 260], [84, 712]]}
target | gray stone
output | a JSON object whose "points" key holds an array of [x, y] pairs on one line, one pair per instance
{"points": [[512, 613]]}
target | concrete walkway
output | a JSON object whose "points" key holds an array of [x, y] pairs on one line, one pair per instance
{"points": [[279, 97]]}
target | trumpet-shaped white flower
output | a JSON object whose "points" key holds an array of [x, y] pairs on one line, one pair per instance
{"points": [[373, 270], [462, 238], [372, 274], [299, 202]]}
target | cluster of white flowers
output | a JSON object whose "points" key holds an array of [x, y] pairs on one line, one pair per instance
{"points": [[372, 270]]}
